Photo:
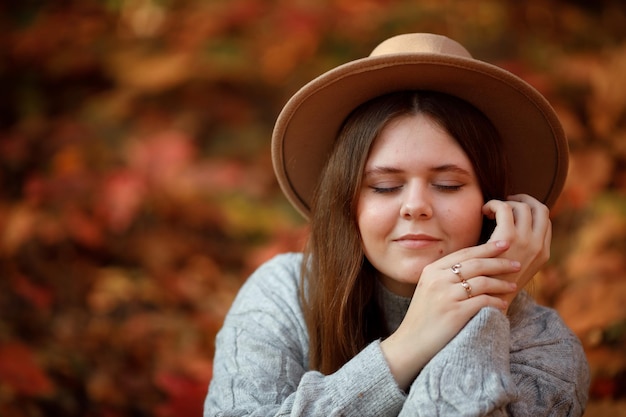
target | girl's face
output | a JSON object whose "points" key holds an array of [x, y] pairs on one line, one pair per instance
{"points": [[420, 200]]}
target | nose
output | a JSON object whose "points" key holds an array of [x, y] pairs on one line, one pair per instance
{"points": [[416, 203]]}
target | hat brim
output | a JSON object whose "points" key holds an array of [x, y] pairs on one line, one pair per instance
{"points": [[305, 131]]}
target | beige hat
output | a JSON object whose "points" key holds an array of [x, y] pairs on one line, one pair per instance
{"points": [[308, 125]]}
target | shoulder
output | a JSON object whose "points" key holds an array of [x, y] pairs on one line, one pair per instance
{"points": [[278, 277], [271, 291]]}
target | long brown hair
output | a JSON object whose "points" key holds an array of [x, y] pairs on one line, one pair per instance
{"points": [[339, 284]]}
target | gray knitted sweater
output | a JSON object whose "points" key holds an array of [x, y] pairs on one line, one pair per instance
{"points": [[528, 364]]}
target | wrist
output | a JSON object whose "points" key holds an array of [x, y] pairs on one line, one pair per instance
{"points": [[404, 364]]}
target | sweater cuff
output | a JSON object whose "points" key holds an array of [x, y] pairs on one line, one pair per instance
{"points": [[484, 343], [471, 375], [367, 378]]}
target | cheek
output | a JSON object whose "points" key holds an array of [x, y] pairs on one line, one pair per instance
{"points": [[373, 220], [366, 223], [466, 224]]}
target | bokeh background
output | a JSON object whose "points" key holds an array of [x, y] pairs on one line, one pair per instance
{"points": [[136, 189]]}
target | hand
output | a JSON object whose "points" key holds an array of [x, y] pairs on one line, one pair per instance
{"points": [[441, 306], [524, 222]]}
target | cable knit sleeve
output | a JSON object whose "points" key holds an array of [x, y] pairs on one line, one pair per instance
{"points": [[548, 364], [261, 359], [530, 366], [468, 377]]}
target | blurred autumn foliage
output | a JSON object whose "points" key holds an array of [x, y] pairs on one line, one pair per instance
{"points": [[136, 190]]}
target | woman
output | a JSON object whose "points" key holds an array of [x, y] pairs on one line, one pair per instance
{"points": [[408, 299]]}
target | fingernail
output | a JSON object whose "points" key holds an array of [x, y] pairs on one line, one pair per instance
{"points": [[516, 264], [501, 243]]}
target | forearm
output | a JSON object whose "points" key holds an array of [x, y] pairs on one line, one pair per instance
{"points": [[268, 384], [362, 387], [470, 376]]}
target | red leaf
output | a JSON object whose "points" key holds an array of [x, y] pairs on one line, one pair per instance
{"points": [[602, 387], [37, 295], [123, 194], [163, 156], [83, 228], [20, 371], [186, 395]]}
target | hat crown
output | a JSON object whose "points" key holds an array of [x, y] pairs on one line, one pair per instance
{"points": [[420, 43]]}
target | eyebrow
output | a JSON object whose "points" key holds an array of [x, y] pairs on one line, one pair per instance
{"points": [[382, 170]]}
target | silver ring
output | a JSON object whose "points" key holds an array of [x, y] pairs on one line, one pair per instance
{"points": [[456, 269], [467, 287]]}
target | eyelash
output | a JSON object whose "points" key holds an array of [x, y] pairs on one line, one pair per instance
{"points": [[440, 187], [384, 190], [448, 188]]}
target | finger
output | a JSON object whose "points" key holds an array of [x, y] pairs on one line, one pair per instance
{"points": [[502, 212], [475, 267], [525, 198], [541, 220], [522, 215], [539, 210], [486, 285], [478, 302], [486, 250], [491, 207], [547, 240]]}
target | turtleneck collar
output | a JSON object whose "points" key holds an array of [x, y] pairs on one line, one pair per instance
{"points": [[393, 306]]}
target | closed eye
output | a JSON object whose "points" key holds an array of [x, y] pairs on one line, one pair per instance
{"points": [[385, 190], [448, 188]]}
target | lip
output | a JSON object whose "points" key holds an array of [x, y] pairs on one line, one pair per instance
{"points": [[417, 240]]}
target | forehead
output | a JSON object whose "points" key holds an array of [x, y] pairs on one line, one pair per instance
{"points": [[414, 137]]}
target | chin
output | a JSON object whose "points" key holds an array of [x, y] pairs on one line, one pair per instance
{"points": [[408, 278]]}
